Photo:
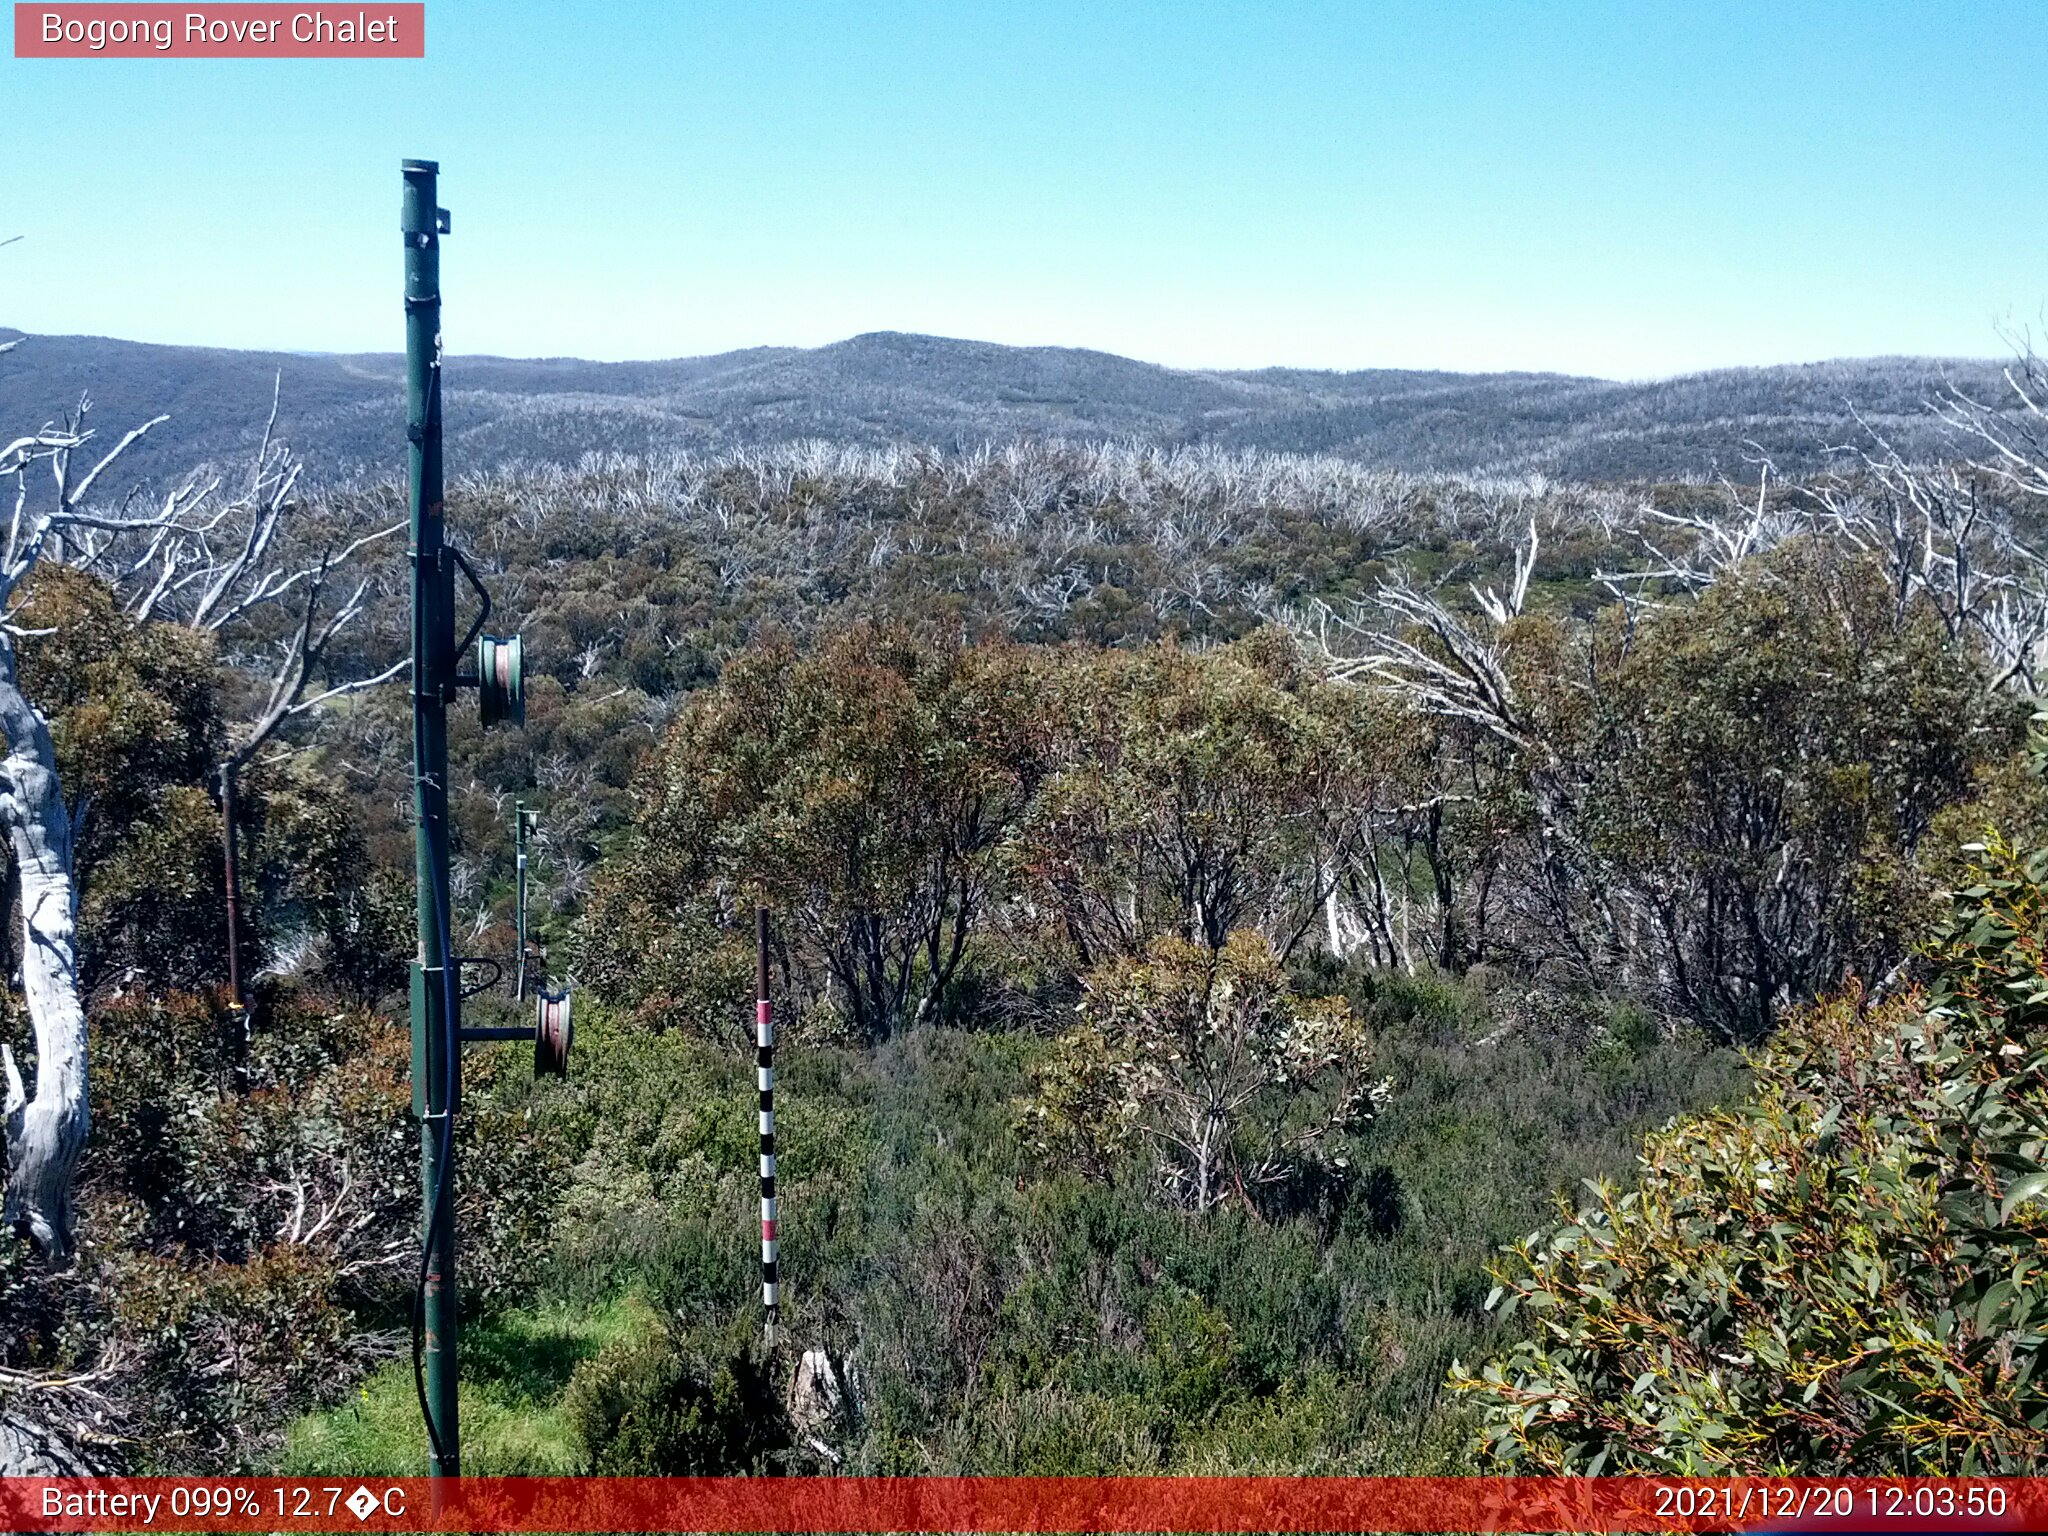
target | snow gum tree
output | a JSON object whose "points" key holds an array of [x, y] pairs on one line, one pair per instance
{"points": [[45, 1129]]}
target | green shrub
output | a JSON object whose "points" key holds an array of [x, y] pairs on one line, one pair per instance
{"points": [[1007, 1318], [249, 1215], [1053, 1432], [1207, 1061], [1190, 1360], [673, 1404], [1758, 773], [866, 790], [1843, 1275]]}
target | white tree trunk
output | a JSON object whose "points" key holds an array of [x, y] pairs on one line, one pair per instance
{"points": [[44, 1133]]}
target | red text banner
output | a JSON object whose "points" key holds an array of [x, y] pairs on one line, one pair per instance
{"points": [[114, 31], [992, 1504]]}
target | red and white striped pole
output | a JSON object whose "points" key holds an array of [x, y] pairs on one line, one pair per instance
{"points": [[764, 1069]]}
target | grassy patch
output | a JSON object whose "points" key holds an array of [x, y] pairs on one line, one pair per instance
{"points": [[514, 1369]]}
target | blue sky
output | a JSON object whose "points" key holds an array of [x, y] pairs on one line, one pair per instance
{"points": [[1623, 189]]}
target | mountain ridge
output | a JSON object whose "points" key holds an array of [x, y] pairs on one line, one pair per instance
{"points": [[343, 411]]}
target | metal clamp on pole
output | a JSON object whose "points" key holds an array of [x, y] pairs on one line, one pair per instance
{"points": [[501, 680], [500, 675]]}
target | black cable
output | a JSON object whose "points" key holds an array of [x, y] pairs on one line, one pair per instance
{"points": [[438, 1208], [490, 981], [438, 1211]]}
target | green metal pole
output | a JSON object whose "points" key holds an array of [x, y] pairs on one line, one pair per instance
{"points": [[435, 1018]]}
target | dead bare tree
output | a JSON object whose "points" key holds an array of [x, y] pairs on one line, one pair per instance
{"points": [[1950, 540], [1407, 641], [1943, 533], [220, 564], [2010, 446], [46, 1130], [191, 557], [1485, 873]]}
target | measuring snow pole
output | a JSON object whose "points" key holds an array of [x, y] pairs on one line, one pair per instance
{"points": [[764, 1067]]}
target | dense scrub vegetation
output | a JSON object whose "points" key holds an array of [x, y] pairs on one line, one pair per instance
{"points": [[1220, 901], [249, 1198], [1724, 817], [1842, 1274], [997, 1311]]}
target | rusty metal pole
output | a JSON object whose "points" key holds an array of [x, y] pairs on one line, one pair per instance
{"points": [[238, 1005], [231, 866]]}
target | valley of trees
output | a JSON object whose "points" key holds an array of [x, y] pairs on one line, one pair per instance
{"points": [[1288, 966]]}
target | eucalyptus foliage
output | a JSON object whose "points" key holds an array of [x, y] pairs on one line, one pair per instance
{"points": [[1207, 1061], [1846, 1274]]}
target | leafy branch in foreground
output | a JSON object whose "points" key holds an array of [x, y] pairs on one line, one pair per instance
{"points": [[1844, 1275]]}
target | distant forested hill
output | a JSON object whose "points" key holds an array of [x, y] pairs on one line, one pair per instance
{"points": [[343, 412]]}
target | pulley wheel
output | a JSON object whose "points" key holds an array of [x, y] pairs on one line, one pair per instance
{"points": [[552, 1031], [501, 680]]}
